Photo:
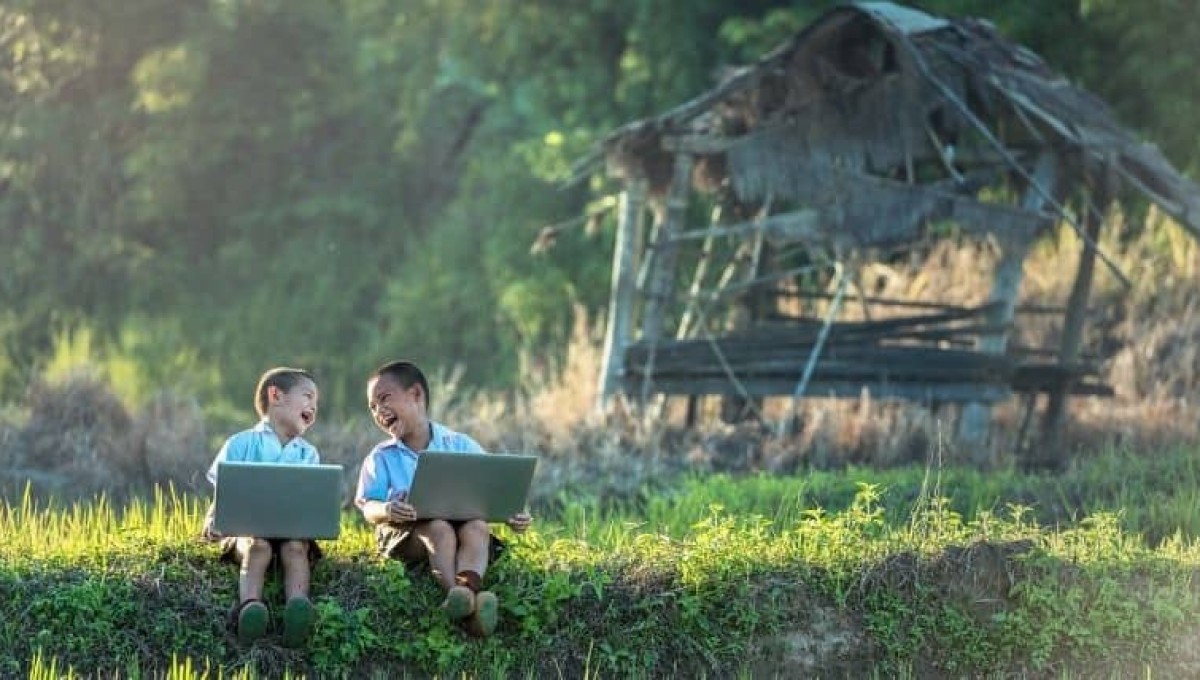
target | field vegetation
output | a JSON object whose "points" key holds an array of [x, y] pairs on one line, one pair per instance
{"points": [[860, 544], [726, 576], [404, 160]]}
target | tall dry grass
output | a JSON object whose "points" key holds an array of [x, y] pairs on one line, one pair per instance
{"points": [[74, 437], [1144, 339]]}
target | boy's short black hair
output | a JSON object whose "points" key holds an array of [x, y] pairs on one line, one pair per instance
{"points": [[407, 374], [283, 377]]}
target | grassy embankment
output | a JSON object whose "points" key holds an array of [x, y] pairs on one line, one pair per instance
{"points": [[832, 575], [1089, 574]]}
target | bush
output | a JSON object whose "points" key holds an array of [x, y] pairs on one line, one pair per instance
{"points": [[79, 440], [849, 593]]}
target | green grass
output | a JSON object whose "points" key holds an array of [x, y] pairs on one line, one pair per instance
{"points": [[1156, 496], [946, 573]]}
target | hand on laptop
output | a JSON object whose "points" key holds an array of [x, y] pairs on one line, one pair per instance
{"points": [[399, 511], [519, 522], [207, 532]]}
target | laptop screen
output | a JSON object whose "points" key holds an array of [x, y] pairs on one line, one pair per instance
{"points": [[271, 500], [460, 486]]}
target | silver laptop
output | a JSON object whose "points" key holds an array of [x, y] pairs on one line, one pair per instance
{"points": [[457, 486], [272, 500]]}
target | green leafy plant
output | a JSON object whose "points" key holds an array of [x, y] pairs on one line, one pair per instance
{"points": [[92, 588]]}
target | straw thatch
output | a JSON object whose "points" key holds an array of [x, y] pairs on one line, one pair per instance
{"points": [[884, 119], [868, 132]]}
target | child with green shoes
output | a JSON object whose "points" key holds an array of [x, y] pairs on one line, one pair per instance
{"points": [[286, 402]]}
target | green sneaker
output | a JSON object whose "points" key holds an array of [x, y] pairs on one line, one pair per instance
{"points": [[459, 603], [298, 617], [252, 618], [487, 611]]}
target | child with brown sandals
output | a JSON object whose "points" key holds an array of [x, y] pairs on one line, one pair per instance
{"points": [[458, 553], [286, 402]]}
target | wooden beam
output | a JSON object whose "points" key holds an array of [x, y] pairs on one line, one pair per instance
{"points": [[798, 226], [1050, 454], [975, 420], [698, 277], [751, 281], [858, 225], [618, 331], [785, 423], [969, 157], [781, 385], [914, 304], [700, 145], [744, 313], [661, 272]]}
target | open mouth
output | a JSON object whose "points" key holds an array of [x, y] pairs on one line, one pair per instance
{"points": [[308, 417], [388, 420]]}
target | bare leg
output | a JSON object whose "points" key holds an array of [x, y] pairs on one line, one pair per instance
{"points": [[296, 571], [474, 538], [255, 554], [441, 544], [252, 614]]}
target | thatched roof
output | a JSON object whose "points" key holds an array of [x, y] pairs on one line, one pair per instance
{"points": [[878, 119]]}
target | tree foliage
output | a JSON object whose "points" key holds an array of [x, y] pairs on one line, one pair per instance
{"points": [[336, 183]]}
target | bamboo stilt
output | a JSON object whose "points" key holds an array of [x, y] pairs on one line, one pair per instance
{"points": [[620, 307], [1050, 454], [661, 268], [975, 420]]}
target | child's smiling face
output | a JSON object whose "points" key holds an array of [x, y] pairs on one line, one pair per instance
{"points": [[396, 409], [292, 412]]}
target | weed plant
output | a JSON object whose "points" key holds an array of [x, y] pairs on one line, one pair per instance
{"points": [[1156, 497], [697, 586]]}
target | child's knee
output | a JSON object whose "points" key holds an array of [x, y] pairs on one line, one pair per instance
{"points": [[439, 531], [257, 548], [476, 528], [253, 552], [293, 550]]}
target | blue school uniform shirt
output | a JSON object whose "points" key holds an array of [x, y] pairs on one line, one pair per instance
{"points": [[260, 444], [387, 471]]}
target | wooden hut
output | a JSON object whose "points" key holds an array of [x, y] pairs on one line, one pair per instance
{"points": [[876, 127]]}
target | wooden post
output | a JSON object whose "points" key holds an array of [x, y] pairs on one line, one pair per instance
{"points": [[693, 299], [735, 407], [1049, 455], [621, 289], [694, 302], [661, 268], [975, 420]]}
